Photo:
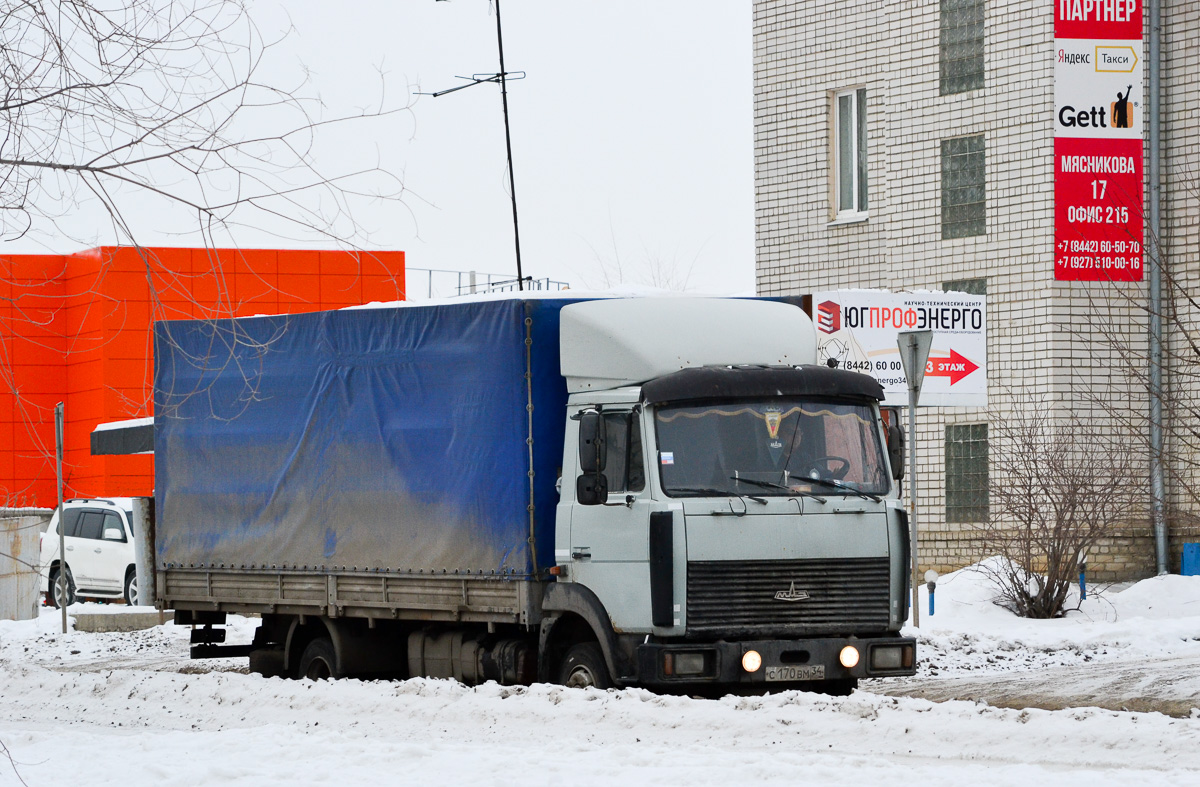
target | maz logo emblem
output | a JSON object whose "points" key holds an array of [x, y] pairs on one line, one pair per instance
{"points": [[791, 594]]}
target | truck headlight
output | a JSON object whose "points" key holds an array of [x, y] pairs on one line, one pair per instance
{"points": [[849, 657], [751, 661]]}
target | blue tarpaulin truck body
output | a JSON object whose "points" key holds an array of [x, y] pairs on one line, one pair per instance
{"points": [[660, 491], [418, 439]]}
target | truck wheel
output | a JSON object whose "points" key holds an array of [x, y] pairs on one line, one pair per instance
{"points": [[55, 591], [319, 661], [584, 666], [131, 588]]}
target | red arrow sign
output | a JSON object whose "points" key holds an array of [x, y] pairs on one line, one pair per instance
{"points": [[955, 367]]}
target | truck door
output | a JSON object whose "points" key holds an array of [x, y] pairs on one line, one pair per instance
{"points": [[610, 542]]}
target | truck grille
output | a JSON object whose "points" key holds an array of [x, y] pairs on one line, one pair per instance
{"points": [[844, 595]]}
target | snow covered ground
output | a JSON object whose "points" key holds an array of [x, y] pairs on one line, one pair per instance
{"points": [[131, 709]]}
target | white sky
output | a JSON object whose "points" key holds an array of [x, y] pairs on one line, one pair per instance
{"points": [[632, 134]]}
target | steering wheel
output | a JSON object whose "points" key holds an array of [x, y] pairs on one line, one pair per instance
{"points": [[837, 472]]}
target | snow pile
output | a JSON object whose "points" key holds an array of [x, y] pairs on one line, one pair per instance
{"points": [[1152, 619], [130, 727], [131, 709]]}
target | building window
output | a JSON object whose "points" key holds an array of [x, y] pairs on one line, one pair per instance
{"points": [[850, 153], [963, 187], [966, 473], [969, 286], [961, 38]]}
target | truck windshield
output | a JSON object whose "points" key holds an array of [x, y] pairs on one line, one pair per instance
{"points": [[781, 447]]}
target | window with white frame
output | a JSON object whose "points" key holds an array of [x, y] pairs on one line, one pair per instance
{"points": [[850, 153]]}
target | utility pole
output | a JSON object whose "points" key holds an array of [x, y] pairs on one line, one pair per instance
{"points": [[1154, 265], [502, 79], [62, 527], [914, 354], [512, 183]]}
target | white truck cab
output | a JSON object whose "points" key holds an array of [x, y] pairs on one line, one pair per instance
{"points": [[744, 491]]}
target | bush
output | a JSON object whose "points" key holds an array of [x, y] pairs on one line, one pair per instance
{"points": [[1058, 483]]}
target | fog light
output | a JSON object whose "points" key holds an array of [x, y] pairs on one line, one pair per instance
{"points": [[689, 663], [849, 657], [885, 658], [751, 661]]}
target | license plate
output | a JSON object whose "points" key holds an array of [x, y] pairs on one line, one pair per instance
{"points": [[791, 672]]}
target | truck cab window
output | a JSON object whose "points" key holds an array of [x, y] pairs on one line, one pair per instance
{"points": [[773, 447], [625, 469]]}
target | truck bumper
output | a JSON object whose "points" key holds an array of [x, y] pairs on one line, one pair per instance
{"points": [[779, 662]]}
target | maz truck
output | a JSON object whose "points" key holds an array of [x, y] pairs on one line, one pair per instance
{"points": [[660, 492]]}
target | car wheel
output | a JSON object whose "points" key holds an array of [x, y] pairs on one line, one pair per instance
{"points": [[319, 661], [56, 592], [131, 588], [584, 667]]}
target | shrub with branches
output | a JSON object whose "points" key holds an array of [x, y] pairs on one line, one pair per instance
{"points": [[1058, 484]]}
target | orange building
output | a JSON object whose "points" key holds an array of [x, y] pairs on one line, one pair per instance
{"points": [[77, 329]]}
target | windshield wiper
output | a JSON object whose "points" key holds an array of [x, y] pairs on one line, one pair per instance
{"points": [[700, 490], [773, 485], [839, 485]]}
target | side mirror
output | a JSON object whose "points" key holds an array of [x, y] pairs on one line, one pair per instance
{"points": [[113, 534], [895, 447], [591, 489], [593, 442]]}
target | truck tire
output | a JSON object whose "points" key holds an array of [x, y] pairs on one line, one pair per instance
{"points": [[54, 591], [131, 588], [319, 661], [584, 667]]}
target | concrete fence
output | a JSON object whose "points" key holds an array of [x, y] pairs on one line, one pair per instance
{"points": [[19, 556]]}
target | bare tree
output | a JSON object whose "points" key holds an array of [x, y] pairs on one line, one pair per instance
{"points": [[124, 99], [1120, 334], [1058, 483], [1180, 393], [123, 103]]}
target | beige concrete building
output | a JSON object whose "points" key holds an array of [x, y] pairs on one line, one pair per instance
{"points": [[910, 145]]}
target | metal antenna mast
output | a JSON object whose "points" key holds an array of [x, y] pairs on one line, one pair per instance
{"points": [[501, 78]]}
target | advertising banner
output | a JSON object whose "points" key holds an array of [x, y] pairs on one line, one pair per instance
{"points": [[1098, 140], [859, 329]]}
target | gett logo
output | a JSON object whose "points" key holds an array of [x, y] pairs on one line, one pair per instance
{"points": [[1117, 115], [1083, 118]]}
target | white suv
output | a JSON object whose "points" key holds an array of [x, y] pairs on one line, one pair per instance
{"points": [[100, 553]]}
